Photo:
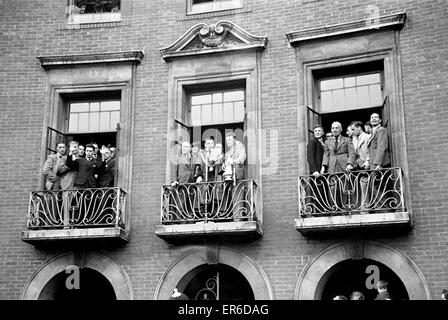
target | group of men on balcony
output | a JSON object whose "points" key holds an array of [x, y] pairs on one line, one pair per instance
{"points": [[338, 155], [221, 173], [82, 168]]}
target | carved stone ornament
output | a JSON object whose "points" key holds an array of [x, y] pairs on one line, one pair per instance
{"points": [[219, 37]]}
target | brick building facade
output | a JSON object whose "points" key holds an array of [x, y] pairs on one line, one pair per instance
{"points": [[155, 57]]}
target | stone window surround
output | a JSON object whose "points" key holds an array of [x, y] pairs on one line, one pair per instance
{"points": [[81, 74]]}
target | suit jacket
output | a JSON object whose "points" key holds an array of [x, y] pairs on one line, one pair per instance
{"points": [[379, 148], [86, 170], [106, 174], [361, 148], [50, 170], [315, 154], [238, 153], [336, 160], [187, 170], [67, 175]]}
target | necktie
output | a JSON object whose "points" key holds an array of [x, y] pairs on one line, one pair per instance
{"points": [[335, 143]]}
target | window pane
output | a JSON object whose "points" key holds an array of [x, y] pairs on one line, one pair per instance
{"points": [[376, 97], [331, 84], [217, 113], [73, 122], [363, 96], [338, 98], [114, 119], [326, 100], [206, 113], [79, 107], [195, 115], [349, 82], [239, 111], [234, 95], [201, 99], [110, 105], [94, 106], [217, 97], [94, 121], [368, 79], [83, 122], [350, 97], [228, 112], [104, 121]]}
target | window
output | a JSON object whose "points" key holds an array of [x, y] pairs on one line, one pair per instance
{"points": [[94, 116], [200, 6], [217, 108], [348, 93], [351, 92], [93, 11]]}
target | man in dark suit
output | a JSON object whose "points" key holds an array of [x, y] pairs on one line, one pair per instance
{"points": [[187, 170], [315, 150], [106, 171], [315, 186], [86, 168], [339, 156]]}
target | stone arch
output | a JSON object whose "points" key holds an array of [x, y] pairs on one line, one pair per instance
{"points": [[254, 274], [110, 270], [314, 275]]}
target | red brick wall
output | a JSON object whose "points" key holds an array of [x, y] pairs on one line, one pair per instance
{"points": [[36, 28]]}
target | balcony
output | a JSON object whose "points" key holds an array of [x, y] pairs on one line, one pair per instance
{"points": [[77, 214], [357, 199], [209, 209]]}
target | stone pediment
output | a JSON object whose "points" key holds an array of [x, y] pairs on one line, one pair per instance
{"points": [[220, 37]]}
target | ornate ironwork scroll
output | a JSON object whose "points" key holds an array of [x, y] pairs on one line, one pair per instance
{"points": [[77, 208], [209, 201], [355, 192], [211, 290]]}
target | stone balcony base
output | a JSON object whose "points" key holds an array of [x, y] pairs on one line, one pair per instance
{"points": [[235, 228], [309, 225], [46, 235]]}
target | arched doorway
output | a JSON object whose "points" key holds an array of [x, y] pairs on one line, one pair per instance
{"points": [[216, 282], [361, 275], [316, 274], [215, 258], [104, 274], [92, 286]]}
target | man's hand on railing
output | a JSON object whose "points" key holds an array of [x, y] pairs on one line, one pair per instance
{"points": [[366, 165], [378, 167], [174, 183], [316, 173], [349, 167], [199, 179]]}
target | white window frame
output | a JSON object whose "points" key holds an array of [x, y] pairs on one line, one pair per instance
{"points": [[77, 18], [213, 5]]}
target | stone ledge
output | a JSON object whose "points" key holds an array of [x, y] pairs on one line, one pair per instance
{"points": [[209, 228], [331, 223], [395, 20], [109, 57], [39, 236]]}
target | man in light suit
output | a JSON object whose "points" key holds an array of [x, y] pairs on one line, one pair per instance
{"points": [[379, 159], [339, 156], [378, 144], [51, 167], [234, 160], [360, 141]]}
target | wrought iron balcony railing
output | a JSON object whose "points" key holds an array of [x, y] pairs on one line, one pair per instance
{"points": [[209, 202], [77, 208], [355, 192]]}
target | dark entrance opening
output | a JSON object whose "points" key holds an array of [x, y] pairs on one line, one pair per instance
{"points": [[356, 275], [92, 286], [217, 282]]}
